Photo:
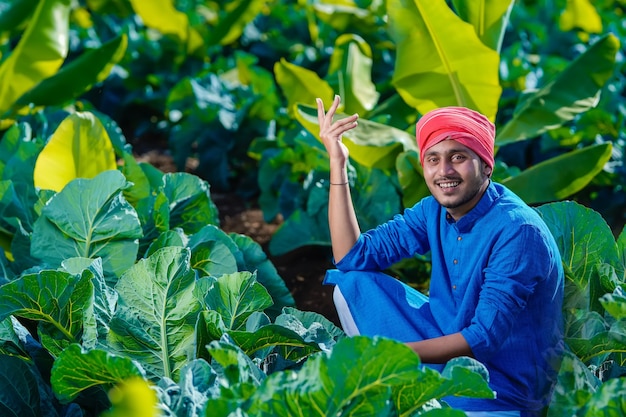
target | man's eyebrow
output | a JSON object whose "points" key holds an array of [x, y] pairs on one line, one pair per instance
{"points": [[447, 152]]}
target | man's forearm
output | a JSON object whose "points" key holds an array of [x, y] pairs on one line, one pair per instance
{"points": [[344, 227], [441, 349]]}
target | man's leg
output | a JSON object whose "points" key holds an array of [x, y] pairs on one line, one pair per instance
{"points": [[345, 317], [372, 303]]}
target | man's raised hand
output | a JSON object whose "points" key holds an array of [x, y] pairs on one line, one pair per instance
{"points": [[331, 132]]}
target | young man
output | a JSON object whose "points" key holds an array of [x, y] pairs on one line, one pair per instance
{"points": [[496, 287]]}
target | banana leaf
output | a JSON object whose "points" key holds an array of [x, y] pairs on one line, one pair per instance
{"points": [[16, 13], [440, 60], [351, 65], [39, 53], [76, 77], [574, 91], [489, 18], [301, 85], [560, 177], [371, 144], [234, 18], [164, 17]]}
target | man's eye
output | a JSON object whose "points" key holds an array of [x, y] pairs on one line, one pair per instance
{"points": [[458, 157]]}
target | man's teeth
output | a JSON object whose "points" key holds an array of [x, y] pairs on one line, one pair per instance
{"points": [[448, 184]]}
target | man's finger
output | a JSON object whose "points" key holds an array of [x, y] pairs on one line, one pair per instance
{"points": [[320, 111], [333, 107]]}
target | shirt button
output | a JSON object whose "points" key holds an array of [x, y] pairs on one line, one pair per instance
{"points": [[459, 238], [454, 287], [455, 261]]}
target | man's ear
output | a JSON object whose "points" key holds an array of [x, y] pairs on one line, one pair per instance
{"points": [[487, 170]]}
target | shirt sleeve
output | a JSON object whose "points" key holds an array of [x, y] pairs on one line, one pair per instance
{"points": [[377, 249], [519, 261]]}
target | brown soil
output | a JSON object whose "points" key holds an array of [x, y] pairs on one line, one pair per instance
{"points": [[302, 270]]}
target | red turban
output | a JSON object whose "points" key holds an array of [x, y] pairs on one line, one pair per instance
{"points": [[466, 126]]}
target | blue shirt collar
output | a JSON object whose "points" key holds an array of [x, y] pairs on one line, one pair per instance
{"points": [[465, 223]]}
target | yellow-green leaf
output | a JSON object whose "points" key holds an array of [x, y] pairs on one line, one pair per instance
{"points": [[301, 85], [440, 60], [79, 148], [371, 144], [580, 14], [489, 18], [164, 17], [39, 53], [351, 63]]}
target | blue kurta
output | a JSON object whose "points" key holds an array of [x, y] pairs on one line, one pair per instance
{"points": [[496, 277]]}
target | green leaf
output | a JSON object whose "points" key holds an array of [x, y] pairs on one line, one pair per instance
{"points": [[10, 343], [189, 395], [615, 303], [39, 53], [440, 60], [309, 320], [621, 251], [301, 85], [213, 252], [291, 345], [362, 376], [360, 371], [79, 148], [61, 302], [13, 209], [574, 91], [234, 296], [73, 79], [20, 392], [233, 364], [561, 176], [411, 178], [301, 393], [255, 259], [351, 64], [371, 144], [375, 198], [89, 218], [585, 241], [14, 13], [190, 204], [233, 20], [76, 370], [489, 18], [574, 388], [156, 314], [174, 237], [133, 172], [298, 230], [609, 400], [105, 298], [462, 376]]}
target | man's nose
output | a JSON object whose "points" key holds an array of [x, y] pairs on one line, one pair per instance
{"points": [[445, 167]]}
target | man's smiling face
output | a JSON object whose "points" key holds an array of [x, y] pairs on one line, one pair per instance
{"points": [[455, 176]]}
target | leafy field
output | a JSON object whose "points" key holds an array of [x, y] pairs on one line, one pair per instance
{"points": [[122, 291]]}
